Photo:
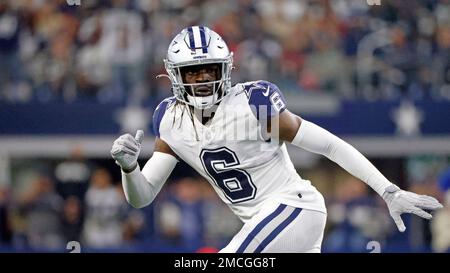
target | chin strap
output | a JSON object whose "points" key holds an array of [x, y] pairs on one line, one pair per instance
{"points": [[163, 76]]}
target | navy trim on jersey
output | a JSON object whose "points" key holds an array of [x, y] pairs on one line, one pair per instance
{"points": [[203, 39], [159, 114], [259, 227], [278, 230], [265, 99]]}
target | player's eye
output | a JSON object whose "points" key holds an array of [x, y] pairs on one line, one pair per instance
{"points": [[212, 70], [190, 73]]}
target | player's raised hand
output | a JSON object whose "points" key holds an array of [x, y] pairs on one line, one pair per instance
{"points": [[400, 201], [126, 149]]}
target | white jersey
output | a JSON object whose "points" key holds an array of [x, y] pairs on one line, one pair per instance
{"points": [[246, 169]]}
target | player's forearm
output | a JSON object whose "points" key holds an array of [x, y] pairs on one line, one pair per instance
{"points": [[141, 188], [138, 191], [318, 140]]}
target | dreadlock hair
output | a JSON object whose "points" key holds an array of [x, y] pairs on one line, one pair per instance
{"points": [[185, 108]]}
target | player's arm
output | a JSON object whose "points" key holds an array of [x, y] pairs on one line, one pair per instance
{"points": [[313, 138], [141, 187]]}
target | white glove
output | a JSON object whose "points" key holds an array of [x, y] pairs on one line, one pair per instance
{"points": [[126, 149], [400, 201]]}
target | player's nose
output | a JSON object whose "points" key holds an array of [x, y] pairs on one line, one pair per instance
{"points": [[202, 77]]}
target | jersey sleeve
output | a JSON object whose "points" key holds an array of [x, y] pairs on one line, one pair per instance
{"points": [[159, 114], [265, 99]]}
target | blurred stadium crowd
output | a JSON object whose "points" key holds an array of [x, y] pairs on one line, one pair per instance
{"points": [[53, 202], [57, 201], [111, 51]]}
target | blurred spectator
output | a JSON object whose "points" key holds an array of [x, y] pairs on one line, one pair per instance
{"points": [[5, 224], [122, 42], [220, 222], [72, 219], [104, 212], [190, 215], [43, 208], [134, 226], [10, 66], [93, 71], [355, 218], [442, 60], [441, 220], [72, 175], [180, 214], [401, 59]]}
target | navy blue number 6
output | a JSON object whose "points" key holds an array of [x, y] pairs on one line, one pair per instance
{"points": [[236, 183]]}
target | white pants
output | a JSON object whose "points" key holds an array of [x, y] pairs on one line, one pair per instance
{"points": [[280, 228]]}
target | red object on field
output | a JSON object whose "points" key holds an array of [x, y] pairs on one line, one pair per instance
{"points": [[207, 249]]}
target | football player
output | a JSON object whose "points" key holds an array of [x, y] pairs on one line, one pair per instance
{"points": [[235, 136]]}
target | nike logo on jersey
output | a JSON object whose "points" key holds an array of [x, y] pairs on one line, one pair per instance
{"points": [[267, 91]]}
